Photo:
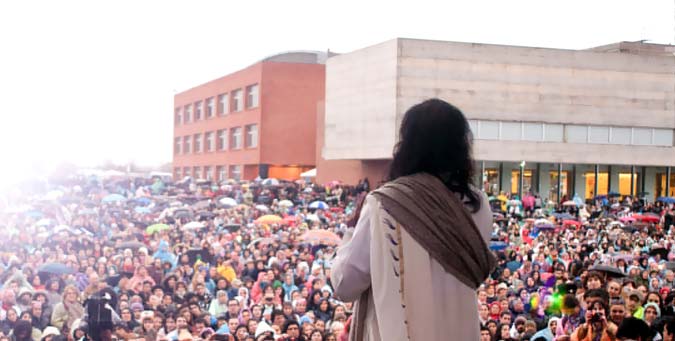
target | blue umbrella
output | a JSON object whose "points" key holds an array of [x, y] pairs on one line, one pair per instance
{"points": [[667, 200], [55, 268], [143, 201], [318, 205], [113, 198], [513, 265], [498, 246]]}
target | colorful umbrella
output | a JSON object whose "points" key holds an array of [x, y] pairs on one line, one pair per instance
{"points": [[316, 237], [269, 219], [318, 205], [157, 228]]}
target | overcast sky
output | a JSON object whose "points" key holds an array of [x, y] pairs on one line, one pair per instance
{"points": [[87, 81]]}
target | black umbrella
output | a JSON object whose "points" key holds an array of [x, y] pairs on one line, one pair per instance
{"points": [[232, 227], [608, 270], [659, 251], [55, 268]]}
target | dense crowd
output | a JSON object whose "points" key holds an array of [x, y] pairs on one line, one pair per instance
{"points": [[580, 270], [145, 259]]}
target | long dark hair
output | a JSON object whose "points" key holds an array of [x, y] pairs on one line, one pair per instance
{"points": [[435, 138]]}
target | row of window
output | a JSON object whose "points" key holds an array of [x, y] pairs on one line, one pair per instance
{"points": [[218, 140], [569, 133], [207, 172], [226, 103]]}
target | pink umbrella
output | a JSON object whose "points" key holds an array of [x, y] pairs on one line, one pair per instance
{"points": [[626, 219]]}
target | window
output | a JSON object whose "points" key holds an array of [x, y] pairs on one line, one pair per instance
{"points": [[198, 143], [515, 180], [187, 144], [488, 130], [533, 131], [590, 184], [197, 173], [208, 174], [198, 110], [624, 183], [235, 172], [473, 125], [237, 100], [598, 134], [642, 136], [221, 173], [251, 136], [565, 183], [176, 147], [178, 116], [576, 134], [252, 96], [620, 135], [235, 142], [222, 139], [223, 104], [511, 131], [663, 137], [210, 107], [188, 113], [209, 141], [553, 132], [187, 171]]}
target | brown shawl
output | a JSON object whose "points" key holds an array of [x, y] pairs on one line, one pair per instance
{"points": [[437, 219]]}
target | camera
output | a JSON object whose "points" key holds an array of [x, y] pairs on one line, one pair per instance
{"points": [[596, 317]]}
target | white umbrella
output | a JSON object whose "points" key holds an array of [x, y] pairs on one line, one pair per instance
{"points": [[286, 203], [228, 202], [43, 222], [262, 208], [193, 225], [270, 182]]}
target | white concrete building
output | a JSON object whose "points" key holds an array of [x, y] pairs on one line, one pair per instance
{"points": [[572, 116]]}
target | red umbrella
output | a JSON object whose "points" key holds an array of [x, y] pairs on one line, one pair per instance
{"points": [[572, 222], [647, 218]]}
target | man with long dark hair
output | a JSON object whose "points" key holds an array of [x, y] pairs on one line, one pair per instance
{"points": [[419, 250]]}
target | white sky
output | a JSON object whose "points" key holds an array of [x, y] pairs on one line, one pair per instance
{"points": [[87, 81]]}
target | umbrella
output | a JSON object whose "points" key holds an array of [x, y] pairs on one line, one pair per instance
{"points": [[629, 228], [260, 241], [659, 251], [55, 268], [203, 215], [498, 246], [269, 219], [513, 265], [232, 227], [545, 227], [113, 198], [130, 245], [44, 222], [563, 216], [541, 222], [613, 194], [270, 182], [571, 222], [228, 202], [156, 228], [667, 200], [182, 213], [193, 225], [201, 205], [290, 220], [143, 201], [286, 203], [142, 210], [608, 270], [320, 205], [569, 203], [615, 224], [325, 237], [262, 208], [627, 219], [647, 218]]}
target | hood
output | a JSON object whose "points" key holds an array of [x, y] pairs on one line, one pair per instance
{"points": [[263, 327]]}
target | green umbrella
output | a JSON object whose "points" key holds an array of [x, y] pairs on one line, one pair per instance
{"points": [[156, 228]]}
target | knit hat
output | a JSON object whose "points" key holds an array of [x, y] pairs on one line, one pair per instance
{"points": [[655, 306]]}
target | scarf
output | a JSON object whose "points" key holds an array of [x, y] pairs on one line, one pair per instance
{"points": [[437, 219]]}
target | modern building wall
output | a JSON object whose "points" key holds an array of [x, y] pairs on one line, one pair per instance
{"points": [[611, 105]]}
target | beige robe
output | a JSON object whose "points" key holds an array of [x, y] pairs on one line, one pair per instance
{"points": [[438, 306]]}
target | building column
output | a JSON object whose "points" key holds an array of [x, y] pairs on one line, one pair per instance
{"points": [[481, 178], [537, 184], [574, 181], [667, 182], [501, 170], [643, 177], [632, 180], [609, 179], [559, 181], [521, 180], [595, 185]]}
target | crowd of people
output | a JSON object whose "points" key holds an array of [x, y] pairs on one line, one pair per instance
{"points": [[581, 270], [145, 259], [148, 259]]}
